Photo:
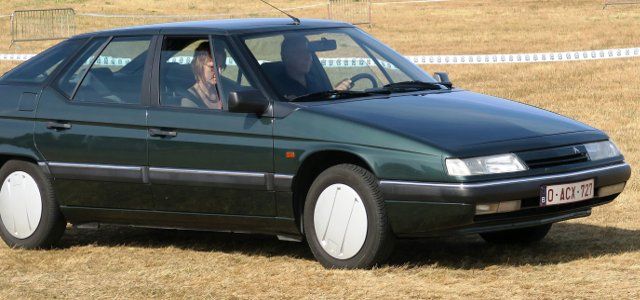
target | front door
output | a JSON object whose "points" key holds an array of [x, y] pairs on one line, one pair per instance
{"points": [[91, 126], [203, 158]]}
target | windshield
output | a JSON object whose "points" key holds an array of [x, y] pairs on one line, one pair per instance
{"points": [[328, 64]]}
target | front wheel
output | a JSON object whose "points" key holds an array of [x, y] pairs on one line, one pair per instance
{"points": [[345, 220], [29, 214], [525, 235]]}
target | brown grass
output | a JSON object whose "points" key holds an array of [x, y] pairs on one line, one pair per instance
{"points": [[595, 257]]}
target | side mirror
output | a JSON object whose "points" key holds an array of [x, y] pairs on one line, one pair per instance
{"points": [[443, 78], [248, 101]]}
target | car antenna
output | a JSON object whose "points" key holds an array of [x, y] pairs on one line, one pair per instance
{"points": [[296, 21]]}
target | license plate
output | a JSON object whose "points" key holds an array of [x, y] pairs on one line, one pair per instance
{"points": [[566, 193]]}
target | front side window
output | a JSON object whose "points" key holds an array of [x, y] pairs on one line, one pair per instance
{"points": [[116, 75], [305, 63], [191, 77], [38, 68]]}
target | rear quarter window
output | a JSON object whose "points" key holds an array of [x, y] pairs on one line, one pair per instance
{"points": [[39, 68]]}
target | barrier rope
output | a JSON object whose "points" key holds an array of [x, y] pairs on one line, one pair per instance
{"points": [[445, 59]]}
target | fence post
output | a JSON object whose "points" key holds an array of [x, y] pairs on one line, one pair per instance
{"points": [[12, 31]]}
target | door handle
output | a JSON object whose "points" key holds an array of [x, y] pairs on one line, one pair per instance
{"points": [[162, 133], [58, 125]]}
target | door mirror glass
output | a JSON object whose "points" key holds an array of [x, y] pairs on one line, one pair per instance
{"points": [[248, 101]]}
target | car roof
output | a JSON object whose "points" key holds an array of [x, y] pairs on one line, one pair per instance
{"points": [[224, 27]]}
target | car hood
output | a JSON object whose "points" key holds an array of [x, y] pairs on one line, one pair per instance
{"points": [[456, 120]]}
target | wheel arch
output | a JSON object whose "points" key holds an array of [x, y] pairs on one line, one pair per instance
{"points": [[5, 157], [314, 164]]}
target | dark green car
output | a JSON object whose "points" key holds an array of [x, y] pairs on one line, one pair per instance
{"points": [[310, 130]]}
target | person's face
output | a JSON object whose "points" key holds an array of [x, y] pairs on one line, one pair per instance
{"points": [[208, 71], [298, 59]]}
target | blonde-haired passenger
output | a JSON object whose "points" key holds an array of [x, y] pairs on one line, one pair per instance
{"points": [[204, 93]]}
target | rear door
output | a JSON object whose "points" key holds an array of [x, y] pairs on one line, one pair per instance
{"points": [[203, 159], [19, 91], [91, 126]]}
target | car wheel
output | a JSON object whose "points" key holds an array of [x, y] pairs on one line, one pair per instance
{"points": [[517, 236], [345, 220], [29, 215]]}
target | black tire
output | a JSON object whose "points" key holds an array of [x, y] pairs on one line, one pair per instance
{"points": [[379, 241], [52, 223], [525, 235]]}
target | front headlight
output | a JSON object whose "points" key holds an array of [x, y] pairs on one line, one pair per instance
{"points": [[494, 164], [602, 150]]}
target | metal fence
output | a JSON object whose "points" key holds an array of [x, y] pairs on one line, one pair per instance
{"points": [[619, 2], [54, 24], [42, 24], [353, 11]]}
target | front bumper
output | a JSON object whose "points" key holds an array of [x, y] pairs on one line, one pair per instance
{"points": [[428, 209]]}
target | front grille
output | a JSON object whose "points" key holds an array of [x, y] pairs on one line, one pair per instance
{"points": [[557, 161], [554, 157]]}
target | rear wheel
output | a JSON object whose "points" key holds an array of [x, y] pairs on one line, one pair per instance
{"points": [[29, 215], [345, 220], [517, 236]]}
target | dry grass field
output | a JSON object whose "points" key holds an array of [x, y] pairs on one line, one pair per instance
{"points": [[596, 257]]}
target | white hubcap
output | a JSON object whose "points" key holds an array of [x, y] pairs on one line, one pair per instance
{"points": [[340, 221], [20, 205]]}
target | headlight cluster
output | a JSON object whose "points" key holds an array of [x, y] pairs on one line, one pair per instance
{"points": [[509, 162], [494, 164], [602, 150]]}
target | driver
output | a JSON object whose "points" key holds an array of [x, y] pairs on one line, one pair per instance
{"points": [[297, 60]]}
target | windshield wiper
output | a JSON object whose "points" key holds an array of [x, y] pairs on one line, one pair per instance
{"points": [[412, 86], [335, 94]]}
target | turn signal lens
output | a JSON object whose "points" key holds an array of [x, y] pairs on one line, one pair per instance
{"points": [[498, 207], [611, 189]]}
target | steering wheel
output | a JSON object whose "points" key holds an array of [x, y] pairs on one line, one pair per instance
{"points": [[361, 76]]}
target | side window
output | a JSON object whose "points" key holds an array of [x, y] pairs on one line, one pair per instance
{"points": [[116, 75], [72, 76], [177, 76], [191, 77], [38, 68], [232, 77]]}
